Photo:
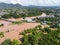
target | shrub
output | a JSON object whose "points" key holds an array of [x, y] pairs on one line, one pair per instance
{"points": [[1, 34], [15, 42], [7, 42], [1, 25], [6, 16], [15, 16], [16, 22]]}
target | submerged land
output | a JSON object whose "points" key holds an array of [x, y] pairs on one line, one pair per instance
{"points": [[29, 25]]}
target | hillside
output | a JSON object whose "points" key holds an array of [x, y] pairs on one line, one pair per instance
{"points": [[5, 5]]}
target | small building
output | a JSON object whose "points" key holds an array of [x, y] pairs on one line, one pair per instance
{"points": [[44, 22], [56, 24], [58, 15], [29, 19], [50, 16], [58, 21]]}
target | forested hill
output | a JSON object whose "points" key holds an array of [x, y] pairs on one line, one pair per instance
{"points": [[5, 5]]}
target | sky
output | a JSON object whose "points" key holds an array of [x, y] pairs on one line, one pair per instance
{"points": [[34, 2]]}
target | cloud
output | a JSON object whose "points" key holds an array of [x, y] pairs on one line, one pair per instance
{"points": [[34, 2]]}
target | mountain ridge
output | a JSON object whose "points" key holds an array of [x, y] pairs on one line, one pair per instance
{"points": [[6, 5]]}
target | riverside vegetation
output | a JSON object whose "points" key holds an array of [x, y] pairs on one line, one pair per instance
{"points": [[37, 36]]}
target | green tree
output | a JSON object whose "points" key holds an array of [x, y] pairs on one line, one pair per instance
{"points": [[7, 42], [6, 16], [1, 34], [15, 42], [23, 15], [32, 39]]}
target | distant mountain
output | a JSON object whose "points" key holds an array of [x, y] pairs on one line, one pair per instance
{"points": [[5, 5], [32, 6]]}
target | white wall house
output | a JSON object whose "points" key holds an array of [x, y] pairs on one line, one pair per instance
{"points": [[29, 19]]}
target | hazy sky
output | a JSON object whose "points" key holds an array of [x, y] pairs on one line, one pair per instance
{"points": [[34, 2]]}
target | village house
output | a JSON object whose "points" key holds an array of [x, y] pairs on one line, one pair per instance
{"points": [[58, 15], [29, 19], [42, 16], [58, 21]]}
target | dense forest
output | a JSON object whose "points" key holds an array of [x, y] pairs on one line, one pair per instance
{"points": [[27, 12]]}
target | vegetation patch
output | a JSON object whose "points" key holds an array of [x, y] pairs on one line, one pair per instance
{"points": [[1, 25], [1, 34], [17, 22], [37, 36], [9, 42]]}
